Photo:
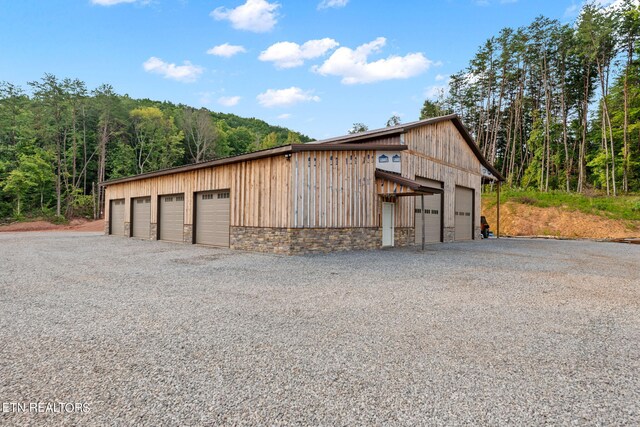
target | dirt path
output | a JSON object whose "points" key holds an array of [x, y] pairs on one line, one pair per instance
{"points": [[523, 220], [74, 225]]}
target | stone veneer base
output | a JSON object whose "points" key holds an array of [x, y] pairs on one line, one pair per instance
{"points": [[293, 241]]}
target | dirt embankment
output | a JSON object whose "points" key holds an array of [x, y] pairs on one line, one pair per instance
{"points": [[518, 219], [74, 225]]}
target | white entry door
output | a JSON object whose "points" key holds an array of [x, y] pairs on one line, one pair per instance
{"points": [[388, 221]]}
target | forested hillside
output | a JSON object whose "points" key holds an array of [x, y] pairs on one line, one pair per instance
{"points": [[557, 106], [59, 140]]}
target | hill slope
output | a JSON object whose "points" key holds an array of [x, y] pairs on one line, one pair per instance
{"points": [[562, 215]]}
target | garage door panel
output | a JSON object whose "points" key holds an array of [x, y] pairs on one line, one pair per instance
{"points": [[141, 217], [432, 214], [213, 211], [464, 213], [116, 217], [172, 218]]}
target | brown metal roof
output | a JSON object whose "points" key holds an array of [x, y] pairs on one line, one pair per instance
{"points": [[409, 183], [295, 148], [402, 128]]}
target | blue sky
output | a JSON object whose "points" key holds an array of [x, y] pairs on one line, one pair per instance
{"points": [[316, 66]]}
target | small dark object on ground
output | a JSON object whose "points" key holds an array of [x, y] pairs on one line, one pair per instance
{"points": [[484, 227]]}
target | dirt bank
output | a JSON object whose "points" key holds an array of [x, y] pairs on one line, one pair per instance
{"points": [[74, 225], [524, 220]]}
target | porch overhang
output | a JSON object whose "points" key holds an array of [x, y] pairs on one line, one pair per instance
{"points": [[392, 184]]}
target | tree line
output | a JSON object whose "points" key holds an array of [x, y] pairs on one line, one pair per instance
{"points": [[59, 141], [557, 106]]}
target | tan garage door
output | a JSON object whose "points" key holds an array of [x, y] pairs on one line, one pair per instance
{"points": [[212, 218], [141, 217], [116, 217], [172, 217], [464, 213], [432, 213]]}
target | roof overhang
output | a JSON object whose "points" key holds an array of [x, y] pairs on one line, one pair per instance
{"points": [[391, 184], [271, 152]]}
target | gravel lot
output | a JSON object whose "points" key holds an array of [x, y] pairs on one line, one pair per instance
{"points": [[497, 332]]}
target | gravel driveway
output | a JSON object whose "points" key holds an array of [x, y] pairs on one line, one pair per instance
{"points": [[497, 332]]}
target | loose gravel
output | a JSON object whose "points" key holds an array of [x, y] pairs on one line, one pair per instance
{"points": [[496, 332]]}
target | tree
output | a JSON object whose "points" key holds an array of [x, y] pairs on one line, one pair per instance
{"points": [[33, 174], [157, 140], [200, 133], [432, 109], [358, 128], [393, 120]]}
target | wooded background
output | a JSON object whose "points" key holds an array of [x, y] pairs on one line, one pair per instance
{"points": [[557, 106], [61, 140]]}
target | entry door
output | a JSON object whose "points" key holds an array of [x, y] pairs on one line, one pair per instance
{"points": [[432, 214], [464, 213], [388, 221], [172, 218], [141, 217], [212, 218], [116, 217]]}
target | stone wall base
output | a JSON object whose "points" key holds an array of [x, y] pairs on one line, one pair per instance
{"points": [[449, 234], [293, 241], [127, 229], [153, 231], [187, 233]]}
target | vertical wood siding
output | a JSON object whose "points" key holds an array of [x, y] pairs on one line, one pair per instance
{"points": [[334, 189], [439, 152], [260, 195]]}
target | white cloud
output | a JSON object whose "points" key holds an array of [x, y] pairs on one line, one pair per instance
{"points": [[290, 55], [284, 116], [353, 67], [574, 9], [183, 73], [227, 50], [441, 77], [258, 16], [285, 97], [326, 4], [229, 101]]}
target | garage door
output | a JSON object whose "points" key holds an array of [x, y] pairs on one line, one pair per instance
{"points": [[212, 218], [141, 217], [172, 217], [116, 217], [432, 213], [464, 213]]}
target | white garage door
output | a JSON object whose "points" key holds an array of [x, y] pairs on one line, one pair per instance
{"points": [[464, 213], [432, 213], [172, 217], [213, 210], [116, 217], [141, 217]]}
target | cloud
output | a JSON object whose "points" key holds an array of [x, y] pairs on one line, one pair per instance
{"points": [[353, 67], [284, 116], [285, 97], [258, 16], [290, 55], [326, 4], [441, 77], [229, 101], [574, 9], [183, 73], [227, 50]]}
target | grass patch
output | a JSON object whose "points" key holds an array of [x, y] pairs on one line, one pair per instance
{"points": [[625, 207]]}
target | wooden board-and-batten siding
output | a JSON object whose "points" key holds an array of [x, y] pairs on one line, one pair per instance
{"points": [[439, 152], [334, 189], [259, 191]]}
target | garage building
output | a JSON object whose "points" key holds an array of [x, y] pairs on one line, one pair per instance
{"points": [[386, 187]]}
